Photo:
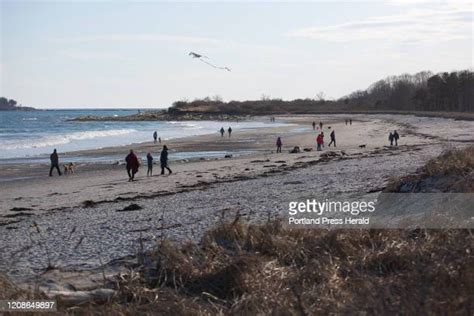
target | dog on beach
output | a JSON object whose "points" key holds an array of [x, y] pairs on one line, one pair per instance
{"points": [[70, 168], [362, 146]]}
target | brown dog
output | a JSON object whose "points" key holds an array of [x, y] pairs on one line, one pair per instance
{"points": [[69, 168]]}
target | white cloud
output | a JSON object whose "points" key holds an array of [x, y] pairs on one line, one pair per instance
{"points": [[427, 25]]}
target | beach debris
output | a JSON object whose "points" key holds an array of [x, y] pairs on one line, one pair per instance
{"points": [[20, 209], [19, 214], [362, 146], [293, 182], [74, 298], [330, 154], [5, 223], [228, 156], [257, 161], [201, 59], [308, 149], [73, 230], [131, 207], [79, 242], [295, 150], [35, 226], [88, 203]]}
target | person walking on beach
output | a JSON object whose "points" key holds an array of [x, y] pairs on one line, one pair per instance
{"points": [[390, 138], [322, 138], [159, 140], [279, 144], [350, 121], [321, 125], [229, 130], [314, 125], [54, 163], [132, 165], [149, 159], [155, 136], [346, 121], [333, 139], [164, 160], [396, 137], [222, 131], [319, 142]]}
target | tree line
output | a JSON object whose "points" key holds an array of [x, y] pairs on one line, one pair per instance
{"points": [[10, 104], [423, 91]]}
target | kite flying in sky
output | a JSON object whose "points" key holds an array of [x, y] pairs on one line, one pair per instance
{"points": [[200, 57]]}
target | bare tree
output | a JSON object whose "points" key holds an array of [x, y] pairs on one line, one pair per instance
{"points": [[320, 96]]}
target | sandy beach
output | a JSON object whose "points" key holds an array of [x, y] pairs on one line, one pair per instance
{"points": [[78, 222]]}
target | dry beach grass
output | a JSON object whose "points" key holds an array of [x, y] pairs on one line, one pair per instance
{"points": [[247, 269]]}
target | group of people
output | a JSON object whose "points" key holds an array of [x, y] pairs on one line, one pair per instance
{"points": [[393, 137], [319, 141], [222, 130], [133, 163]]}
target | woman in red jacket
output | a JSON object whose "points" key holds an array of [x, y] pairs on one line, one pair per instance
{"points": [[319, 141]]}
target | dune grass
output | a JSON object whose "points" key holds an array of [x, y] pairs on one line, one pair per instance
{"points": [[452, 171], [265, 269]]}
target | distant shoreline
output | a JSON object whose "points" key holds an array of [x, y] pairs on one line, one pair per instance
{"points": [[19, 109], [163, 115]]}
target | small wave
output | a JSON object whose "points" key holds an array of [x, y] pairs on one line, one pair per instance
{"points": [[30, 119], [185, 124], [52, 140]]}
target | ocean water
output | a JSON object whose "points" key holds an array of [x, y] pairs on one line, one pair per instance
{"points": [[33, 134]]}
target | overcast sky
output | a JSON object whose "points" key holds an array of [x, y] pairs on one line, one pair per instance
{"points": [[113, 54]]}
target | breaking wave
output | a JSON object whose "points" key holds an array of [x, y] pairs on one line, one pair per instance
{"points": [[53, 140]]}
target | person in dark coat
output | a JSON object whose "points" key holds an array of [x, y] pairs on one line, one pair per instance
{"points": [[321, 125], [164, 160], [132, 165], [155, 136], [54, 163], [279, 144], [314, 125], [222, 132], [390, 138], [149, 159], [396, 137], [333, 139], [229, 130]]}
